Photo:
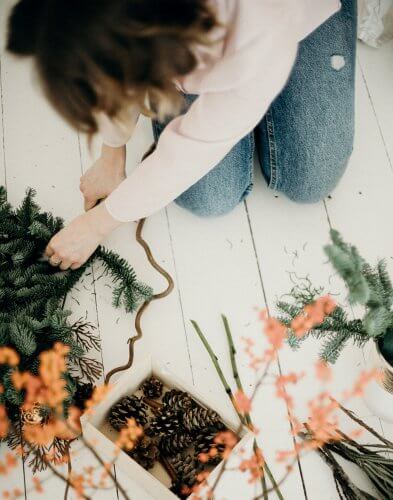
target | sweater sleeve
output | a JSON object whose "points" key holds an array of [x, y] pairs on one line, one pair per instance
{"points": [[116, 133], [194, 143]]}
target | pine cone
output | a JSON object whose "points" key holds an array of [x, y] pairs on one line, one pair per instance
{"points": [[152, 388], [199, 418], [146, 453], [173, 443], [165, 423], [205, 441], [186, 468], [127, 407], [178, 400], [82, 394]]}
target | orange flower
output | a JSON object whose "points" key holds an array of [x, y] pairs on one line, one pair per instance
{"points": [[8, 356], [243, 402], [78, 483], [281, 382], [37, 485], [312, 315], [10, 460], [254, 466], [363, 380], [129, 435], [275, 332], [323, 371], [40, 435], [99, 394]]}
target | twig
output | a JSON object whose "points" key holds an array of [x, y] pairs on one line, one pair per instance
{"points": [[363, 424], [69, 472], [239, 385]]}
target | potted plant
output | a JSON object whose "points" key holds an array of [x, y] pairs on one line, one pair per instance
{"points": [[369, 287]]}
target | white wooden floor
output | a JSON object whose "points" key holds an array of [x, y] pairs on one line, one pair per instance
{"points": [[228, 265]]}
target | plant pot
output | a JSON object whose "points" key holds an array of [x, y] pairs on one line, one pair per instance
{"points": [[154, 484], [378, 394]]}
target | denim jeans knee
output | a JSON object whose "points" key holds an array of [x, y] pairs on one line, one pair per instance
{"points": [[225, 186]]}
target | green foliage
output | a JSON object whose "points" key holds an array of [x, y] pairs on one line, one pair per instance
{"points": [[32, 293], [368, 286], [128, 291]]}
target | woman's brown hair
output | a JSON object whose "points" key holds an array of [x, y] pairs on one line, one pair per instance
{"points": [[107, 55]]}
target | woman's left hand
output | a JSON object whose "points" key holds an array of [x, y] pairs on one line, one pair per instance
{"points": [[72, 246]]}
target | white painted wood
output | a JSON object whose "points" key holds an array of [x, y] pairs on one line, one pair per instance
{"points": [[377, 69]]}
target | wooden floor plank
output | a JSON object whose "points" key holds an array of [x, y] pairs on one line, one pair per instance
{"points": [[377, 69]]}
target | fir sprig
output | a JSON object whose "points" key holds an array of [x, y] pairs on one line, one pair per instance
{"points": [[368, 286]]}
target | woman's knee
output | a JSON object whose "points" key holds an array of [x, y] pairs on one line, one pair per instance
{"points": [[313, 182]]}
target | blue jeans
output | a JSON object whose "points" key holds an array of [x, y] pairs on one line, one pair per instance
{"points": [[305, 139]]}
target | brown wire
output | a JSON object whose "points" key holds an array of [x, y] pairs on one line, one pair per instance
{"points": [[142, 309]]}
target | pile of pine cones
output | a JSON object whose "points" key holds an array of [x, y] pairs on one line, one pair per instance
{"points": [[176, 431]]}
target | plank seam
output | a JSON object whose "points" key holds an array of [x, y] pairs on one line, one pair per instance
{"points": [[375, 114], [179, 295]]}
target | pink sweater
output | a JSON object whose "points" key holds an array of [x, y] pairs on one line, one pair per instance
{"points": [[236, 80]]}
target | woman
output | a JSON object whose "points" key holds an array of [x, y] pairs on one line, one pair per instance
{"points": [[220, 77]]}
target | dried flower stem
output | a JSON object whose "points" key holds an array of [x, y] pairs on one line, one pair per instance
{"points": [[352, 416], [236, 376]]}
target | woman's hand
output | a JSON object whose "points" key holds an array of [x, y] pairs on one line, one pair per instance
{"points": [[72, 246], [103, 176]]}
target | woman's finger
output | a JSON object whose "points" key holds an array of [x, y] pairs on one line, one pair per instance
{"points": [[76, 265], [54, 260], [65, 264], [89, 203], [49, 251]]}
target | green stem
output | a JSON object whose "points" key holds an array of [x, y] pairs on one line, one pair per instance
{"points": [[239, 385], [217, 366], [232, 354]]}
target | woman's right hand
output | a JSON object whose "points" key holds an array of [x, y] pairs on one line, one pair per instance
{"points": [[103, 176]]}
